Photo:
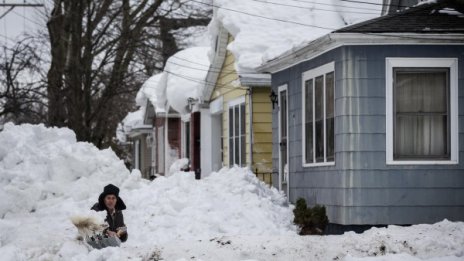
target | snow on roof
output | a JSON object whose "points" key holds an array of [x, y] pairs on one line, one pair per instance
{"points": [[150, 91], [264, 29], [186, 73], [134, 120], [183, 78]]}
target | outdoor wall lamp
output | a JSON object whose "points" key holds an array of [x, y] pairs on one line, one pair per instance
{"points": [[191, 102], [273, 97]]}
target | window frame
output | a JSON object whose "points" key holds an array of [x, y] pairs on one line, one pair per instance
{"points": [[238, 102], [422, 63], [308, 75]]}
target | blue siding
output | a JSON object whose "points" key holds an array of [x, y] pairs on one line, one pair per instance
{"points": [[361, 188]]}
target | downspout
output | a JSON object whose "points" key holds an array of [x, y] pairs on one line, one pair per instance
{"points": [[250, 109]]}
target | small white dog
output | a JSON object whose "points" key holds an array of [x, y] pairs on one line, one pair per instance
{"points": [[88, 226]]}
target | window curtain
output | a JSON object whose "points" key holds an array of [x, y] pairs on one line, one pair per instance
{"points": [[422, 114]]}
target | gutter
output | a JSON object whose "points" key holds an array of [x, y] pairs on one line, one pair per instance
{"points": [[333, 40], [255, 79]]}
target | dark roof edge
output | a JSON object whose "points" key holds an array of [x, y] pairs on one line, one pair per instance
{"points": [[381, 18]]}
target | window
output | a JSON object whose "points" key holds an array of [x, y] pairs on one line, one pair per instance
{"points": [[421, 111], [237, 141], [319, 116]]}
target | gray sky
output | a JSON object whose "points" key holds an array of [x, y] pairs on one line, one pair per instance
{"points": [[21, 20]]}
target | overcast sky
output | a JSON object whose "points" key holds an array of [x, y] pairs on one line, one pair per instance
{"points": [[21, 20]]}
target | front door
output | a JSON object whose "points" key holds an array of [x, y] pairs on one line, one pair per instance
{"points": [[283, 137]]}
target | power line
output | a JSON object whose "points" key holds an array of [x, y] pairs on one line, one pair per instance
{"points": [[264, 17], [20, 5], [7, 11], [311, 8], [30, 20], [369, 3], [344, 6], [208, 67], [207, 83]]}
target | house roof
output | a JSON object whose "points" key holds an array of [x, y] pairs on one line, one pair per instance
{"points": [[428, 23], [437, 17], [261, 30]]}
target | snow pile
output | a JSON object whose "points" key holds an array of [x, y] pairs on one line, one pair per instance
{"points": [[229, 202], [443, 241], [265, 29], [39, 165], [46, 177], [179, 165]]}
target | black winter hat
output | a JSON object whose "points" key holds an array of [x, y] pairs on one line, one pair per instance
{"points": [[110, 189]]}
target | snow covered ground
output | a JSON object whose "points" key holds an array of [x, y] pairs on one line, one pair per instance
{"points": [[46, 177]]}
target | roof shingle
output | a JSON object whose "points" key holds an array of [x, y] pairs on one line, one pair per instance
{"points": [[439, 17]]}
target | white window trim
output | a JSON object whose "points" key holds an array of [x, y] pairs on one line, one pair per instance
{"points": [[238, 101], [311, 74], [452, 64]]}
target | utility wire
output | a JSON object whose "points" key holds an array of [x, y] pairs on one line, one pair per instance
{"points": [[264, 17], [311, 8], [30, 20], [7, 11], [370, 3], [344, 6]]}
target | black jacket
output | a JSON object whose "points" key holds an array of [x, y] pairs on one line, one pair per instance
{"points": [[116, 223]]}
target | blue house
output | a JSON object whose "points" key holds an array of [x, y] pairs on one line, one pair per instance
{"points": [[370, 121]]}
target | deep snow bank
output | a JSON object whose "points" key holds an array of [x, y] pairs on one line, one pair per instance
{"points": [[46, 177], [40, 166], [229, 202]]}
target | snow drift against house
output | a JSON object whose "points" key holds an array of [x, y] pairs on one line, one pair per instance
{"points": [[46, 177], [264, 29]]}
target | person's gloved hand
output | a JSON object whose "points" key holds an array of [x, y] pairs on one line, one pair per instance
{"points": [[112, 234]]}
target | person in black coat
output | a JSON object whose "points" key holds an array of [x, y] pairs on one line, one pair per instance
{"points": [[110, 201]]}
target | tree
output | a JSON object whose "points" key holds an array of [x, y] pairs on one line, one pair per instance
{"points": [[95, 64], [22, 98]]}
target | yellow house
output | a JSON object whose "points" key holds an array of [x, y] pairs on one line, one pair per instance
{"points": [[240, 111]]}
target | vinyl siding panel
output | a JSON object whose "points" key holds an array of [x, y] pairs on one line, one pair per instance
{"points": [[262, 132], [361, 188], [227, 88]]}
